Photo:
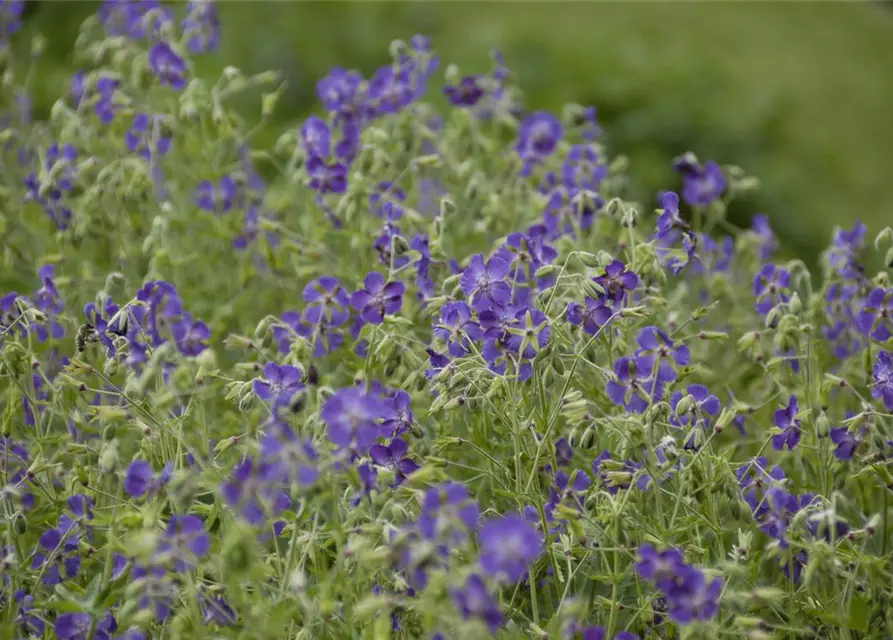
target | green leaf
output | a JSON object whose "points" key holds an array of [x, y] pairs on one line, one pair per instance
{"points": [[859, 614]]}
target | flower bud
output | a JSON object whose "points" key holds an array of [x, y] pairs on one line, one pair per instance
{"points": [[588, 259], [822, 425], [20, 524], [108, 459]]}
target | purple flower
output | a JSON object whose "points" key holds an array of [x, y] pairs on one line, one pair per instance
{"points": [[526, 252], [876, 317], [155, 590], [140, 480], [390, 90], [253, 489], [456, 328], [341, 93], [168, 66], [48, 300], [401, 419], [215, 609], [658, 566], [844, 251], [599, 633], [378, 298], [509, 546], [448, 514], [58, 552], [327, 309], [632, 387], [10, 18], [593, 316], [766, 240], [686, 591], [474, 601], [847, 441], [691, 597], [882, 375], [185, 541], [148, 136], [353, 417], [289, 460], [669, 218], [484, 282], [583, 169], [134, 18], [657, 352], [466, 93], [281, 383], [618, 281], [538, 138], [393, 456], [217, 199], [786, 420], [202, 26], [28, 619], [771, 286], [76, 626], [702, 184], [569, 210], [698, 413], [843, 328], [190, 335]]}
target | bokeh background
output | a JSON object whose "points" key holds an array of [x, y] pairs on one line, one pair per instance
{"points": [[799, 94]]}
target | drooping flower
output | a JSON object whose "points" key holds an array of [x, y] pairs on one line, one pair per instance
{"points": [[509, 546], [169, 67]]}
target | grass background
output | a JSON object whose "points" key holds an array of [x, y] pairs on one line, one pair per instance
{"points": [[799, 94]]}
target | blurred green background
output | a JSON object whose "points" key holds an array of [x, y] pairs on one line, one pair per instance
{"points": [[799, 94]]}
